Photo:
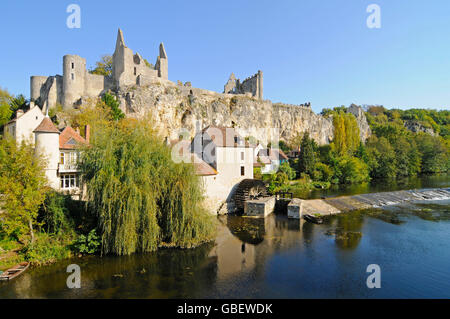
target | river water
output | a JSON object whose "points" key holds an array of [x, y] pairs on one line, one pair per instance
{"points": [[278, 258]]}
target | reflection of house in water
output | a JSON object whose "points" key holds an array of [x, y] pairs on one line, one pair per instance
{"points": [[244, 244]]}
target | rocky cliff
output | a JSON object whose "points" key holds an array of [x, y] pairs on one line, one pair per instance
{"points": [[182, 108]]}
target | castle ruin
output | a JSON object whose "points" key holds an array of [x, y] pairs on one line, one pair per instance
{"points": [[77, 82], [252, 86]]}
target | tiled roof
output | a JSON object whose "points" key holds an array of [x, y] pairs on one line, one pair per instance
{"points": [[201, 167], [184, 151], [224, 136], [46, 126], [69, 139], [265, 155]]}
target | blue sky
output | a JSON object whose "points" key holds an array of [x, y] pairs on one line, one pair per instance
{"points": [[310, 51]]}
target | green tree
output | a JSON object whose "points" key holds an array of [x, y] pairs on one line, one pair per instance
{"points": [[103, 67], [353, 170], [141, 197], [5, 109], [346, 133], [22, 187], [112, 102], [288, 170], [435, 155], [307, 160]]}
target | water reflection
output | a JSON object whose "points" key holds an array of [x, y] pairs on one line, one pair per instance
{"points": [[272, 258]]}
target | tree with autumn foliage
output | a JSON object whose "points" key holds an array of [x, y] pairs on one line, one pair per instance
{"points": [[22, 188]]}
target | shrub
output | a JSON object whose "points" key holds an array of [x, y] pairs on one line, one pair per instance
{"points": [[89, 244]]}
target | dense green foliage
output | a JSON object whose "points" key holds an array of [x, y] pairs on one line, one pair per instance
{"points": [[9, 104], [112, 102], [142, 198], [307, 160], [22, 185], [392, 151], [88, 244]]}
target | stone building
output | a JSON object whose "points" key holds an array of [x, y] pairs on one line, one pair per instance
{"points": [[222, 158], [229, 155], [77, 82], [252, 86]]}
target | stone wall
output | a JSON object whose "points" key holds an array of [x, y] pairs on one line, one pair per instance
{"points": [[251, 86]]}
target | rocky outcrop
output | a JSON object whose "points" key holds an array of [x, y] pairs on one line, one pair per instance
{"points": [[182, 109], [416, 127], [364, 128]]}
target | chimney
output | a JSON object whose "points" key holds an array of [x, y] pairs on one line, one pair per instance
{"points": [[19, 113], [87, 131], [77, 130]]}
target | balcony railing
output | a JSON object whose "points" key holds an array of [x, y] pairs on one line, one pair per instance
{"points": [[68, 168]]}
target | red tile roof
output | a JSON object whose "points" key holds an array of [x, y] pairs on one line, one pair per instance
{"points": [[201, 167], [184, 151], [70, 139], [46, 126], [224, 136]]}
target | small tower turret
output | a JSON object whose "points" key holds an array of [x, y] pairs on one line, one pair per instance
{"points": [[47, 148]]}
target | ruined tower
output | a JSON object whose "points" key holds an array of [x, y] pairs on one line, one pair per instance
{"points": [[162, 64], [252, 85], [74, 78], [132, 69]]}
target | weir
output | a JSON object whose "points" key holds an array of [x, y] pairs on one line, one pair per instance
{"points": [[298, 208]]}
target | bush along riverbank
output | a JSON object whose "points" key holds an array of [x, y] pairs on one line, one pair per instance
{"points": [[137, 199]]}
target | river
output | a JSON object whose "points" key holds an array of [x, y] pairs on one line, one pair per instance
{"points": [[278, 258]]}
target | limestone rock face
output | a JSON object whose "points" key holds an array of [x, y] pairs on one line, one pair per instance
{"points": [[364, 128], [183, 110]]}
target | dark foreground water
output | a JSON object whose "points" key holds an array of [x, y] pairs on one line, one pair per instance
{"points": [[275, 258]]}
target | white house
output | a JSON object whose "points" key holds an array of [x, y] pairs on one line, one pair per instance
{"points": [[269, 159], [59, 149], [222, 158], [21, 128]]}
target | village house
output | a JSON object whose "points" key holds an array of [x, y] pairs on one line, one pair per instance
{"points": [[222, 158], [58, 148], [269, 159], [22, 126]]}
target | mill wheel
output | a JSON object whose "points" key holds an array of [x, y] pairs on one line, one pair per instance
{"points": [[248, 189]]}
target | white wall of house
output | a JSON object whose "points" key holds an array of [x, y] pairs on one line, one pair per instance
{"points": [[231, 163], [270, 168], [22, 128], [47, 148]]}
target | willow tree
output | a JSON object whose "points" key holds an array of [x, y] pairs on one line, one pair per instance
{"points": [[143, 200]]}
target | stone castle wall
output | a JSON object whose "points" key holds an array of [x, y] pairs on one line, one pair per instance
{"points": [[77, 83]]}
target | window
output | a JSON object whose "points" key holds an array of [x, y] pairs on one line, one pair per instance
{"points": [[69, 181], [135, 71], [73, 76], [73, 65], [242, 156], [242, 171], [68, 158]]}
